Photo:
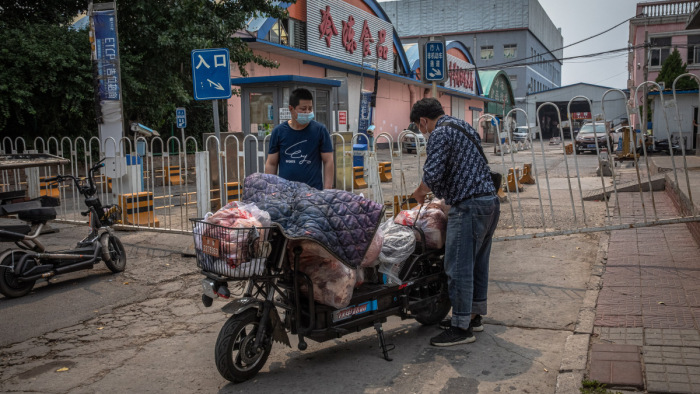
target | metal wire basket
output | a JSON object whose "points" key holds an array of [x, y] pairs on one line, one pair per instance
{"points": [[231, 252]]}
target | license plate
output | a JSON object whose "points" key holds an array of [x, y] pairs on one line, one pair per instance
{"points": [[591, 146], [208, 288], [210, 246]]}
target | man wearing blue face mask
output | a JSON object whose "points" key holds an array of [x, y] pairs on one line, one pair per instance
{"points": [[300, 147]]}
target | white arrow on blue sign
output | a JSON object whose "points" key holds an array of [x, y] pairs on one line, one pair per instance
{"points": [[435, 61], [211, 74], [181, 117]]}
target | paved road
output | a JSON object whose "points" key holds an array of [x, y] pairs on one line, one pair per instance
{"points": [[146, 330], [160, 338]]}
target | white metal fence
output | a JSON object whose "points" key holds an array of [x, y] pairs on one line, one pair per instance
{"points": [[565, 191]]}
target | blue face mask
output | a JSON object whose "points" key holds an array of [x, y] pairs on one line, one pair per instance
{"points": [[305, 118]]}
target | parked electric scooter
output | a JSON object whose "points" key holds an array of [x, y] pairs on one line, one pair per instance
{"points": [[275, 283], [21, 268]]}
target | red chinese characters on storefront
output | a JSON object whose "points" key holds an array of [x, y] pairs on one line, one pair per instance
{"points": [[366, 39], [327, 30], [382, 50], [460, 77], [327, 27], [349, 35]]}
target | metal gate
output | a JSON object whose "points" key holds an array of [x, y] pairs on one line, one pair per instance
{"points": [[551, 188], [629, 181]]}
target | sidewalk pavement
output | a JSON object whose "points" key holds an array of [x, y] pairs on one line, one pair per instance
{"points": [[647, 323]]}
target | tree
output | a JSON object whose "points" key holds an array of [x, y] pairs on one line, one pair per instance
{"points": [[46, 83], [156, 39], [672, 67]]}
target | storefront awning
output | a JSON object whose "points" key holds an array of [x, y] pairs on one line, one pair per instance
{"points": [[273, 79]]}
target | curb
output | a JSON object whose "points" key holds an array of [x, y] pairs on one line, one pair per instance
{"points": [[574, 363]]}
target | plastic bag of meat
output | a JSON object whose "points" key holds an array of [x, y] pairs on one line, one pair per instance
{"points": [[399, 242], [233, 239], [332, 280], [371, 258], [359, 277], [438, 203], [261, 216], [432, 221]]}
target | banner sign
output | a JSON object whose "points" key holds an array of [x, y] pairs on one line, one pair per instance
{"points": [[460, 75], [342, 31], [106, 54], [365, 113]]}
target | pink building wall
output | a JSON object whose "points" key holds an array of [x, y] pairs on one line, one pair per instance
{"points": [[394, 98], [680, 41]]}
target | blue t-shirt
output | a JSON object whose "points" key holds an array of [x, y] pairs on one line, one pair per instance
{"points": [[300, 152]]}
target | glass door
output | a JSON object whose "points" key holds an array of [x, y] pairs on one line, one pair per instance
{"points": [[262, 112]]}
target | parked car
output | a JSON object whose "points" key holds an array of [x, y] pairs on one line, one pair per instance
{"points": [[520, 133], [409, 143], [585, 139]]}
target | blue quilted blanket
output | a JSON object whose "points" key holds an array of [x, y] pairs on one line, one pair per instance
{"points": [[342, 222]]}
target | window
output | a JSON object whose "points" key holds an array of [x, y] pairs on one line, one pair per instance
{"points": [[278, 33], [693, 49], [510, 51], [289, 32], [660, 49], [513, 81], [487, 52]]}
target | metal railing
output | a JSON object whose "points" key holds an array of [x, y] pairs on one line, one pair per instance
{"points": [[568, 193]]}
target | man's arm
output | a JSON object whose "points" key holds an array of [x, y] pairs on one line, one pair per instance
{"points": [[421, 191], [328, 169], [271, 163]]}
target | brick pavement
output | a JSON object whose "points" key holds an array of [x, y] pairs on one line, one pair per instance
{"points": [[648, 312]]}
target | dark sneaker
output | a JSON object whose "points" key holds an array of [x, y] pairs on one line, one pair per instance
{"points": [[474, 324], [453, 336]]}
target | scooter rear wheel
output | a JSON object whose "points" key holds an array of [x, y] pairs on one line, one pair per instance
{"points": [[113, 253], [237, 355], [437, 311], [10, 287]]}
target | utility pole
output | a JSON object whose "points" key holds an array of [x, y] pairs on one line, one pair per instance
{"points": [[643, 121]]}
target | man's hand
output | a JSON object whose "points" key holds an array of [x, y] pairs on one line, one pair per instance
{"points": [[421, 191]]}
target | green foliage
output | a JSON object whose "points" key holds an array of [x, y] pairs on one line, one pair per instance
{"points": [[46, 82], [38, 11], [673, 67], [595, 387]]}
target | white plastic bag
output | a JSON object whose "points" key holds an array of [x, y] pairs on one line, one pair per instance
{"points": [[399, 242], [371, 258]]}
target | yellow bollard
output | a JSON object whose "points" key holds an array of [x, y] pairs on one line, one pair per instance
{"points": [[527, 178], [47, 188], [512, 184], [404, 203], [385, 171], [172, 175], [359, 178], [137, 209], [232, 191]]}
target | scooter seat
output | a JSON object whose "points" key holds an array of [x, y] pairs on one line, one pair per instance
{"points": [[37, 215]]}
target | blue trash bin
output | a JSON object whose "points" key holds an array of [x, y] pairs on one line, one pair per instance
{"points": [[358, 158]]}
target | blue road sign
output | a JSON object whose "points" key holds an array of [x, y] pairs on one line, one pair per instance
{"points": [[181, 117], [435, 61], [211, 74]]}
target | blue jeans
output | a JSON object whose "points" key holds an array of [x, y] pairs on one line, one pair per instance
{"points": [[470, 227]]}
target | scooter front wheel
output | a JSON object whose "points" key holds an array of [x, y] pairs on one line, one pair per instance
{"points": [[113, 253], [238, 356], [10, 286]]}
